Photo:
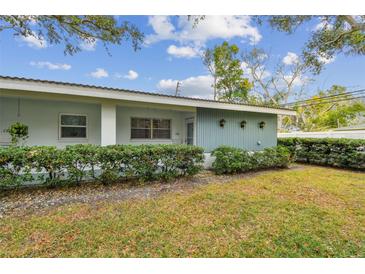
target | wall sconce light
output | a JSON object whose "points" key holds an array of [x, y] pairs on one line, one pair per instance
{"points": [[262, 124], [222, 122], [243, 124]]}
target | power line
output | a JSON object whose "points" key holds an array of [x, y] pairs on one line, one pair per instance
{"points": [[334, 101], [329, 100], [325, 97]]}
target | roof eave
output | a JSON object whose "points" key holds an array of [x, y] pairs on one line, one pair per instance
{"points": [[119, 94]]}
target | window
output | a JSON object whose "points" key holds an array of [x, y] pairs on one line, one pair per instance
{"points": [[146, 128], [73, 126], [141, 128], [161, 129]]}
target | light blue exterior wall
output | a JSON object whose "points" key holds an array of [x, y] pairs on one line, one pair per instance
{"points": [[210, 135], [125, 113], [42, 118]]}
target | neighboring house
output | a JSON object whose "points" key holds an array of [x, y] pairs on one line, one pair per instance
{"points": [[60, 114]]}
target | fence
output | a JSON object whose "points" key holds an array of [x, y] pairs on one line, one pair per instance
{"points": [[351, 134]]}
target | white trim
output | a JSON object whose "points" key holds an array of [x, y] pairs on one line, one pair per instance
{"points": [[71, 138], [186, 122], [95, 92]]}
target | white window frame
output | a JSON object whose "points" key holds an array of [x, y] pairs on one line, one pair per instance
{"points": [[71, 138], [151, 130]]}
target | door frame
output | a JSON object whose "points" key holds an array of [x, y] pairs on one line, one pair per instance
{"points": [[188, 121]]}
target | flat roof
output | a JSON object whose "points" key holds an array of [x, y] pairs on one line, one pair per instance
{"points": [[28, 84]]}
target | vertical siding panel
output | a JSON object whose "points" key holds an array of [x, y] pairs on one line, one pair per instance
{"points": [[210, 135]]}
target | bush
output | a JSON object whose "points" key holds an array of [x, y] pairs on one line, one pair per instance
{"points": [[344, 153], [80, 161], [234, 160], [15, 166], [149, 162], [50, 164], [77, 163]]}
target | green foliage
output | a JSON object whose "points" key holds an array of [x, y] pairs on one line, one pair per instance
{"points": [[344, 153], [225, 67], [77, 163], [338, 34], [327, 113], [18, 131], [15, 165], [73, 30], [234, 160], [81, 161], [50, 163], [149, 162]]}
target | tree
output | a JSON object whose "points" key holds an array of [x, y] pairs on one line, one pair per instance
{"points": [[275, 88], [225, 67], [325, 113], [334, 35], [209, 61], [72, 30]]}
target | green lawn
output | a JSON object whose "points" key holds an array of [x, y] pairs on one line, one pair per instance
{"points": [[304, 212]]}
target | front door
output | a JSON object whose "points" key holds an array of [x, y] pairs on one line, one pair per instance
{"points": [[190, 131]]}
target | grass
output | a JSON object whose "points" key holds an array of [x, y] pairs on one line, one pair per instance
{"points": [[309, 212]]}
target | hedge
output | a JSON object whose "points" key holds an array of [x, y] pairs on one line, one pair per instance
{"points": [[76, 163], [341, 152], [231, 160]]}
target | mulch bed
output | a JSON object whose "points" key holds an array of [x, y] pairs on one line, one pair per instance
{"points": [[39, 200]]}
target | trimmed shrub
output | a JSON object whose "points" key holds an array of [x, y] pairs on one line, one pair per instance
{"points": [[149, 162], [80, 161], [76, 163], [49, 163], [336, 152], [235, 160], [15, 166]]}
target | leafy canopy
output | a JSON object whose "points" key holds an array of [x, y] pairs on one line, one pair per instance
{"points": [[72, 30], [323, 114], [225, 66], [334, 35]]}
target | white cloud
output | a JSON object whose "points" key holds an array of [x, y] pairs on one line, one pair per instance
{"points": [[198, 86], [34, 41], [244, 66], [132, 75], [182, 52], [49, 65], [99, 73], [88, 45], [162, 27], [325, 60], [323, 25], [291, 58], [260, 71], [212, 27], [298, 81]]}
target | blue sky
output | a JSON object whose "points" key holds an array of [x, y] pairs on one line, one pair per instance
{"points": [[170, 53]]}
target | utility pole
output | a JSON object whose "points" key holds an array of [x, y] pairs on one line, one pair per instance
{"points": [[177, 91]]}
